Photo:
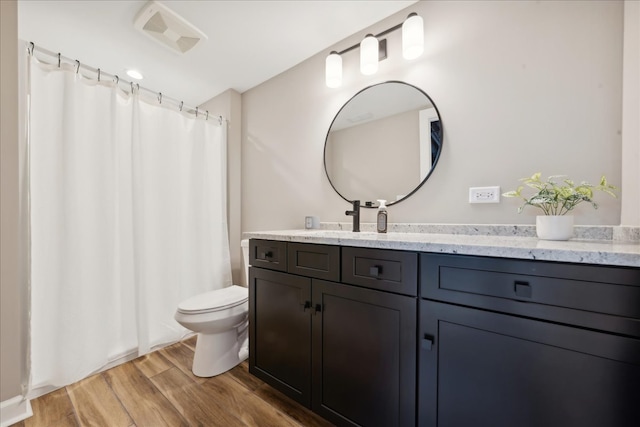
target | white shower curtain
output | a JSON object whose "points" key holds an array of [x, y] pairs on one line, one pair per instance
{"points": [[128, 218]]}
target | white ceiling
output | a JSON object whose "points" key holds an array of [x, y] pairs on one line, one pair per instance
{"points": [[248, 43]]}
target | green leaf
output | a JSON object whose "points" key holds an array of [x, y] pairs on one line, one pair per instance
{"points": [[558, 199]]}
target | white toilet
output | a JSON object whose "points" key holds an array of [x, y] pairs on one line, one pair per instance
{"points": [[221, 319]]}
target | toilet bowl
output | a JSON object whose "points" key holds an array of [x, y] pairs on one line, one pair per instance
{"points": [[221, 320]]}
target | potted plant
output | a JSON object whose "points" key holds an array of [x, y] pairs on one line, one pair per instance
{"points": [[556, 197]]}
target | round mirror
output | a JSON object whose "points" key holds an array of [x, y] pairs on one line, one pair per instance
{"points": [[383, 144]]}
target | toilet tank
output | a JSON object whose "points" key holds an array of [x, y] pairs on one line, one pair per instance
{"points": [[244, 245]]}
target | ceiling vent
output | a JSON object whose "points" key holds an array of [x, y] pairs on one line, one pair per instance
{"points": [[167, 27]]}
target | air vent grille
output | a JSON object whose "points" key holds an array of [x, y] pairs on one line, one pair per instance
{"points": [[168, 28]]}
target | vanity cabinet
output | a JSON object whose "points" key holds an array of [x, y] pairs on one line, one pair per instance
{"points": [[527, 343], [380, 337], [344, 348]]}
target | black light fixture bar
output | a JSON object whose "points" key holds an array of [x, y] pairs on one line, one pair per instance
{"points": [[384, 33]]}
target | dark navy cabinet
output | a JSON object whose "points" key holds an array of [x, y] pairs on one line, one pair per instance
{"points": [[280, 331], [528, 343], [364, 356], [372, 337], [346, 350]]}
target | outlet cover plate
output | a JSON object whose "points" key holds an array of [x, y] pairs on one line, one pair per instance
{"points": [[484, 194]]}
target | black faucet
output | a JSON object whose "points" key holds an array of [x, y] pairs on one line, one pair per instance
{"points": [[355, 213]]}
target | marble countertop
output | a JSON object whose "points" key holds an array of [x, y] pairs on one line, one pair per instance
{"points": [[604, 252]]}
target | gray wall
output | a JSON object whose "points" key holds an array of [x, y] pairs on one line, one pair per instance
{"points": [[631, 115], [11, 310], [521, 87], [228, 105]]}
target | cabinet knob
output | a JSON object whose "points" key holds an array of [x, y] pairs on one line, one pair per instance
{"points": [[305, 305], [318, 308]]}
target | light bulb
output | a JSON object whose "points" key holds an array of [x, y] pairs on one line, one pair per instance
{"points": [[333, 70], [135, 74], [412, 37], [369, 55]]}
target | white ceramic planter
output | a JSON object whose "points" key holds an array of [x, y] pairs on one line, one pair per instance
{"points": [[554, 227]]}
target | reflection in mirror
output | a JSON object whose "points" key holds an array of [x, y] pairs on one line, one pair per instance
{"points": [[383, 143]]}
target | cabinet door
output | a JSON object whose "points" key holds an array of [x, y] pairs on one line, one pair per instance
{"points": [[484, 368], [280, 331], [364, 356]]}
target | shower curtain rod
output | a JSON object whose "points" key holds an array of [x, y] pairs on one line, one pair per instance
{"points": [[31, 48]]}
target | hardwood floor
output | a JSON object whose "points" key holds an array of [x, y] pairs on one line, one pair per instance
{"points": [[159, 389]]}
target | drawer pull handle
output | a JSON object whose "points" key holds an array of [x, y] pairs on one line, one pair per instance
{"points": [[268, 254], [375, 271], [305, 305], [522, 289], [427, 342]]}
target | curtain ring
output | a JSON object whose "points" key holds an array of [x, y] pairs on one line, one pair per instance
{"points": [[58, 59], [117, 79], [181, 104], [77, 66], [131, 88], [207, 118], [196, 111], [220, 120], [31, 48], [159, 97], [98, 74]]}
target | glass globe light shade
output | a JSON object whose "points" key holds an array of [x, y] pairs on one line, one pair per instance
{"points": [[369, 55], [412, 37]]}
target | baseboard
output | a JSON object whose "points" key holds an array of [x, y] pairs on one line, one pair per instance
{"points": [[14, 410]]}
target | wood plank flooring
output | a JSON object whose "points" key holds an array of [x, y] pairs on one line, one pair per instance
{"points": [[159, 389]]}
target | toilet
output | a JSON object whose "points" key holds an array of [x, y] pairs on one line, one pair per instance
{"points": [[221, 319]]}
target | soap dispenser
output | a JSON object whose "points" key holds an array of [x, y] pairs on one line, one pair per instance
{"points": [[382, 216]]}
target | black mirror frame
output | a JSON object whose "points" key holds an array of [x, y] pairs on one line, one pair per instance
{"points": [[435, 161]]}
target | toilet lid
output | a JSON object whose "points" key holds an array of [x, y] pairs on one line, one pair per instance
{"points": [[219, 299]]}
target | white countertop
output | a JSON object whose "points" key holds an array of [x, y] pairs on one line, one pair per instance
{"points": [[604, 252]]}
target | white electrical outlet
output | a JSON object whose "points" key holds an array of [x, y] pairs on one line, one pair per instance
{"points": [[484, 194]]}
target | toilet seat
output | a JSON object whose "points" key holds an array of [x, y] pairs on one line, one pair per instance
{"points": [[220, 299]]}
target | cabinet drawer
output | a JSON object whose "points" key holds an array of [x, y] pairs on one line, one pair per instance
{"points": [[269, 254], [504, 284], [393, 271], [317, 261]]}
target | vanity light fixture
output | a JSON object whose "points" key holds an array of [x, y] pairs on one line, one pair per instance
{"points": [[369, 55], [412, 37], [333, 70], [373, 49]]}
